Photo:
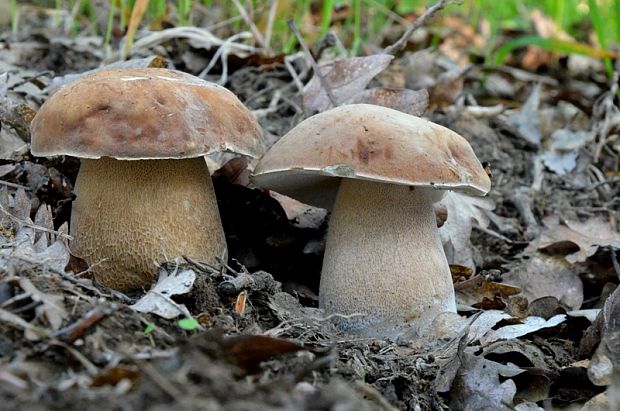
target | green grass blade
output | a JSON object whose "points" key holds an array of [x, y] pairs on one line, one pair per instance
{"points": [[14, 22], [326, 16], [561, 46], [357, 27], [599, 29], [108, 30], [617, 19]]}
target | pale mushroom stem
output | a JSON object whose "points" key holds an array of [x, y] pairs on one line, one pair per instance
{"points": [[384, 259], [130, 215]]}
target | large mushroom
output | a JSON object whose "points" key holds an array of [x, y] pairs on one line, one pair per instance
{"points": [[380, 171], [143, 193]]}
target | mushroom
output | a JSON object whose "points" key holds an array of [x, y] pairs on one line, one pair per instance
{"points": [[380, 171], [143, 192]]}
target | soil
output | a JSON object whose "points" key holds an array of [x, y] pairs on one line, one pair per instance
{"points": [[281, 352]]}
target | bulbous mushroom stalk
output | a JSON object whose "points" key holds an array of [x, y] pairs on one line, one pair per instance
{"points": [[380, 170], [384, 259], [126, 226]]}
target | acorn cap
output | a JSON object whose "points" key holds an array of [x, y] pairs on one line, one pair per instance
{"points": [[146, 113], [368, 142]]}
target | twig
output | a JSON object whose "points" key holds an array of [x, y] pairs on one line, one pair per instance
{"points": [[9, 317], [6, 183], [273, 8], [90, 367], [494, 234], [64, 275], [255, 32], [222, 54], [315, 66], [372, 394], [419, 22], [614, 261], [521, 200], [30, 78], [34, 226], [161, 381], [74, 331], [225, 265], [289, 66], [612, 180]]}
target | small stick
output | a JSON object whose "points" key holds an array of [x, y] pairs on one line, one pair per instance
{"points": [[614, 261], [159, 380], [270, 20], [34, 226], [419, 22], [6, 183], [86, 363], [315, 66], [255, 32], [74, 331], [224, 264]]}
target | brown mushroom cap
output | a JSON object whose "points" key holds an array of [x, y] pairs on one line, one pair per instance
{"points": [[144, 114], [373, 143]]}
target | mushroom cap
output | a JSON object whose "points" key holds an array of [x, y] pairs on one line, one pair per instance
{"points": [[369, 142], [146, 113]]}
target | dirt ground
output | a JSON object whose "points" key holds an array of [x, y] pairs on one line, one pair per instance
{"points": [[535, 263]]}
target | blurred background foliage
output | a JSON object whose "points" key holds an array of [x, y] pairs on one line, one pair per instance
{"points": [[493, 28]]}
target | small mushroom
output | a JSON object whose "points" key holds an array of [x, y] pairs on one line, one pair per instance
{"points": [[143, 193], [380, 171]]}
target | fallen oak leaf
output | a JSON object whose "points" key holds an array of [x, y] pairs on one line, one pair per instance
{"points": [[412, 102], [526, 121], [605, 363], [51, 309], [544, 275], [527, 326], [473, 290], [245, 351], [588, 236], [114, 375], [482, 384], [157, 300], [463, 213], [345, 77]]}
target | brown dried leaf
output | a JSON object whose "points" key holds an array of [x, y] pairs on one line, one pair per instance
{"points": [[475, 289], [448, 87], [21, 206], [301, 215], [543, 275], [587, 236], [606, 360], [528, 325], [114, 375], [52, 309], [412, 102], [460, 272], [245, 351], [526, 121], [43, 218], [18, 117], [478, 385], [463, 212], [345, 77]]}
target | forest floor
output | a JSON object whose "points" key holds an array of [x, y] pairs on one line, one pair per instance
{"points": [[535, 262]]}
